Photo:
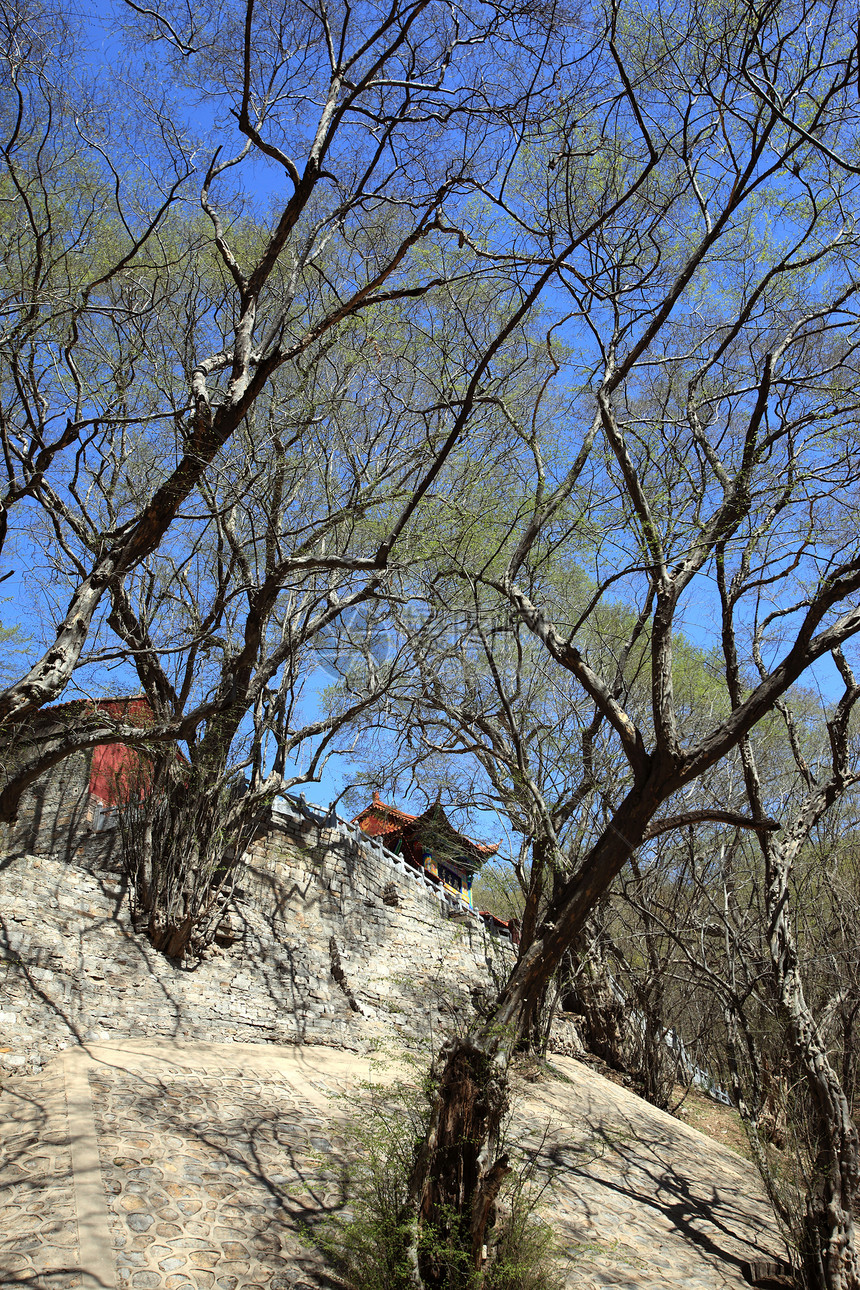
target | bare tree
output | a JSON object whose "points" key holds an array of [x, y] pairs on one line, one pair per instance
{"points": [[716, 367], [129, 369], [225, 624], [771, 945], [479, 717], [482, 718], [688, 183], [828, 1236]]}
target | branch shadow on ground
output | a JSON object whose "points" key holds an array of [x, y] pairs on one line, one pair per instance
{"points": [[238, 1153], [36, 1180], [712, 1214]]}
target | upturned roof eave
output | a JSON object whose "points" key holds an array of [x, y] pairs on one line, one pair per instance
{"points": [[392, 818]]}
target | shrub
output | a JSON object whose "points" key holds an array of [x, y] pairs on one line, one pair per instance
{"points": [[369, 1244]]}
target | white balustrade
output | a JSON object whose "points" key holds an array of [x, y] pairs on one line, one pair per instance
{"points": [[376, 849]]}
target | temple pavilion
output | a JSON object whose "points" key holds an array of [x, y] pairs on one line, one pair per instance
{"points": [[429, 842]]}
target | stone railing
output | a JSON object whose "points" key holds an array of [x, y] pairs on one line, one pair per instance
{"points": [[452, 904]]}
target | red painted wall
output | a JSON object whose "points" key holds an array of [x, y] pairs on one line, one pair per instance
{"points": [[118, 773]]}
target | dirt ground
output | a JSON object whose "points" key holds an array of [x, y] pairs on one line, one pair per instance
{"points": [[722, 1123]]}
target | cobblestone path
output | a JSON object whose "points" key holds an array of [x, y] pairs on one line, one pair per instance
{"points": [[641, 1200], [183, 1167]]}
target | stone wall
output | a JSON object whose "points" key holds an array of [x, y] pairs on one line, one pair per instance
{"points": [[59, 817], [334, 944]]}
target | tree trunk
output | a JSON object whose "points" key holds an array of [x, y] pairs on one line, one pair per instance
{"points": [[829, 1244], [462, 1177], [458, 1172], [593, 998]]}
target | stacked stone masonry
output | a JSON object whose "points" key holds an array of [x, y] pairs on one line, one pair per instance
{"points": [[334, 944], [58, 816]]}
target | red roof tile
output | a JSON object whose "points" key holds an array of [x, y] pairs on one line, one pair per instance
{"points": [[379, 818], [130, 706]]}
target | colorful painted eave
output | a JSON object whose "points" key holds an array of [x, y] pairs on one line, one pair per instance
{"points": [[379, 818]]}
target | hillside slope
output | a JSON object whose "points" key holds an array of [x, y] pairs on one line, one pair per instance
{"points": [[170, 1166]]}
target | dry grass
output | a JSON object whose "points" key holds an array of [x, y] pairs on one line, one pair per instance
{"points": [[714, 1119], [722, 1123]]}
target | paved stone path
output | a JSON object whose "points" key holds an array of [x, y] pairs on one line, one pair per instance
{"points": [[641, 1200], [160, 1166], [39, 1243]]}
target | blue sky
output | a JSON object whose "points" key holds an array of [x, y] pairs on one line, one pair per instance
{"points": [[33, 602]]}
